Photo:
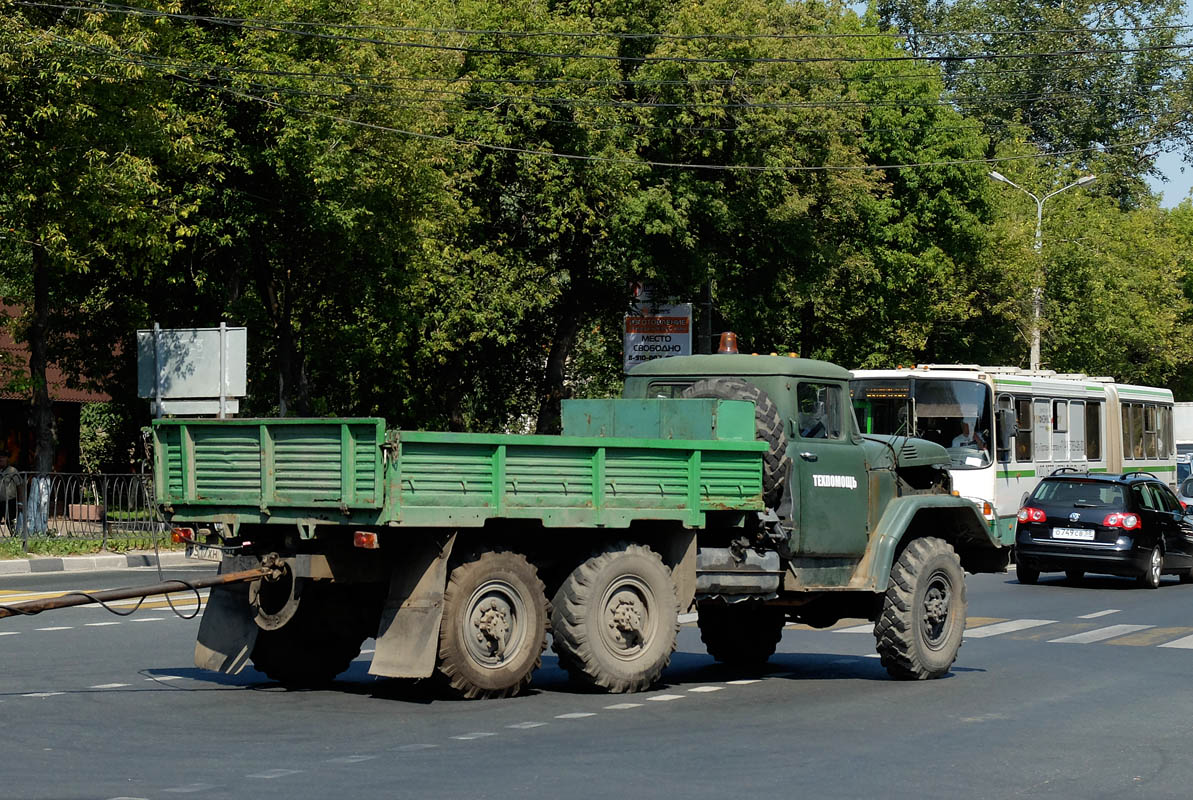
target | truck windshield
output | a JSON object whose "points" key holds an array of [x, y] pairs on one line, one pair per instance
{"points": [[954, 413]]}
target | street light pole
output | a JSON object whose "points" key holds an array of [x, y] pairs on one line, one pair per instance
{"points": [[1037, 292]]}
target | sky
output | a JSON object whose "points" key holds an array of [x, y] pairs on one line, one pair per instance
{"points": [[1179, 183]]}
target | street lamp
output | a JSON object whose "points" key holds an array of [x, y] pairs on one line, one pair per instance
{"points": [[1037, 293]]}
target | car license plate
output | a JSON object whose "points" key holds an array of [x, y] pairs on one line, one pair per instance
{"points": [[204, 553], [1079, 534]]}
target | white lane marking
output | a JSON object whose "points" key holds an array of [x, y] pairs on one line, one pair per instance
{"points": [[576, 715], [871, 655], [1005, 627], [165, 678], [706, 688], [58, 628], [128, 798], [1099, 614], [688, 618], [744, 681], [9, 633], [1099, 634], [622, 706], [42, 694], [414, 748], [99, 624], [110, 685], [1183, 643], [269, 774], [370, 650], [464, 737], [191, 787], [665, 698], [867, 628], [349, 759], [522, 726], [147, 619]]}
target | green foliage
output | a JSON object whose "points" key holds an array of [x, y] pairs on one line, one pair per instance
{"points": [[401, 231], [99, 441]]}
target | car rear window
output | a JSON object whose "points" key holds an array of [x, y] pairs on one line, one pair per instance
{"points": [[1088, 494]]}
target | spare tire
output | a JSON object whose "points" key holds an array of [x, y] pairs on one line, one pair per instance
{"points": [[768, 425]]}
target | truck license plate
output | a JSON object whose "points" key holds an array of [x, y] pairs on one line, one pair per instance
{"points": [[204, 553], [1079, 534]]}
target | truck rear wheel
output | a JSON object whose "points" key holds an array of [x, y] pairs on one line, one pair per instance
{"points": [[494, 626], [740, 634], [768, 423], [615, 619], [320, 638], [923, 614]]}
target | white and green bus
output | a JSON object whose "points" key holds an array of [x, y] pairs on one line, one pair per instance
{"points": [[1005, 428]]}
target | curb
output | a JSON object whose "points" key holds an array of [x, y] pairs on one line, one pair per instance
{"points": [[96, 563]]}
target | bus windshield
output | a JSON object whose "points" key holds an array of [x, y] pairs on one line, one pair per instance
{"points": [[954, 413]]}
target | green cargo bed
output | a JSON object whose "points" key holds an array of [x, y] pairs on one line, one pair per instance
{"points": [[351, 471]]}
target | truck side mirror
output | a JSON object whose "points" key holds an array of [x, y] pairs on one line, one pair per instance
{"points": [[1008, 428]]}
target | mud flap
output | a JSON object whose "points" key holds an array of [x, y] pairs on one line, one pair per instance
{"points": [[227, 633], [408, 637]]}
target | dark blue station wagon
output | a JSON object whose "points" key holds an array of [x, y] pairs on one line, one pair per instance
{"points": [[1130, 524]]}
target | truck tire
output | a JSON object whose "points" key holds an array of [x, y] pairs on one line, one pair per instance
{"points": [[768, 426], [494, 626], [320, 640], [922, 622], [740, 634], [615, 619]]}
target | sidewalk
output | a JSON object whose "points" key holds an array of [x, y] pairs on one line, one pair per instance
{"points": [[94, 563]]}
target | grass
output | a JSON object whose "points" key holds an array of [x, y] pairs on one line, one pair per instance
{"points": [[54, 546]]}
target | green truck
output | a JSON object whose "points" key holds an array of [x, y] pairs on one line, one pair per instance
{"points": [[736, 486]]}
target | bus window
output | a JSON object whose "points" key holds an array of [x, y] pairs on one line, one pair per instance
{"points": [[1060, 429], [1136, 450], [1164, 447], [1093, 431], [1149, 431], [1023, 437], [1042, 425], [1077, 431]]}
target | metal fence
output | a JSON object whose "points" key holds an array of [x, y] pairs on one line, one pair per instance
{"points": [[115, 510]]}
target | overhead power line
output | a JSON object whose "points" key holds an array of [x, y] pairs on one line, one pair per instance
{"points": [[1020, 98], [121, 8], [493, 51]]}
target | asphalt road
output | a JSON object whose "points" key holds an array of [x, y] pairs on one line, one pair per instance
{"points": [[96, 706]]}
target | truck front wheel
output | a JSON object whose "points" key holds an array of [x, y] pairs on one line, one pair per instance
{"points": [[923, 614], [615, 619], [740, 634], [494, 626]]}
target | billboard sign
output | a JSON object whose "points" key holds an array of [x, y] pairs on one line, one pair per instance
{"points": [[657, 330]]}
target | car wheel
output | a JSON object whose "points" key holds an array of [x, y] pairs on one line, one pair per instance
{"points": [[1150, 579], [1026, 574], [1074, 575]]}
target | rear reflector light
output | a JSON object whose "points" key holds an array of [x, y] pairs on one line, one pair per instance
{"points": [[1029, 514], [1127, 522], [182, 535], [366, 540]]}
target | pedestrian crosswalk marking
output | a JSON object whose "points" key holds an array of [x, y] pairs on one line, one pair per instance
{"points": [[1053, 631], [1099, 634], [1184, 643], [1099, 613], [998, 628], [1150, 637]]}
